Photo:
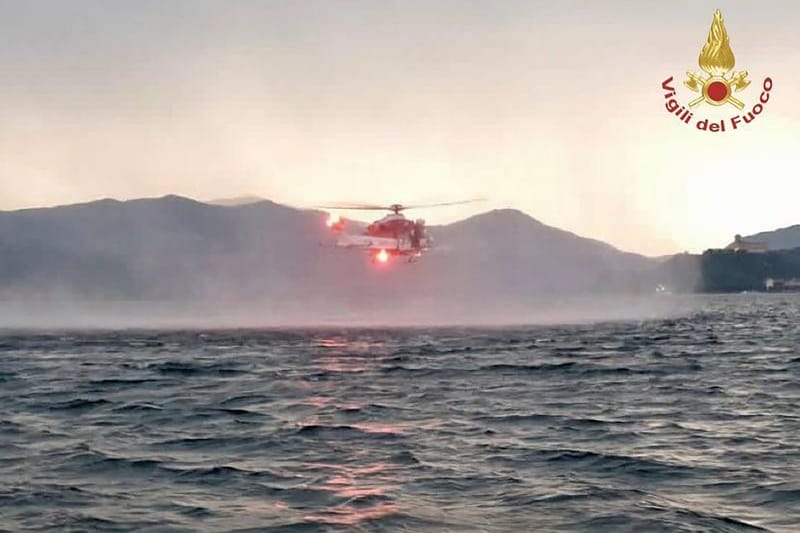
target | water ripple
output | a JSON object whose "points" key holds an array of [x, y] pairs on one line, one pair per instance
{"points": [[680, 425]]}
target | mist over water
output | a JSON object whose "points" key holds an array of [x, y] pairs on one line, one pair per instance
{"points": [[226, 314]]}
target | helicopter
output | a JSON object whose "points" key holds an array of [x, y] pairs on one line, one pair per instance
{"points": [[392, 236]]}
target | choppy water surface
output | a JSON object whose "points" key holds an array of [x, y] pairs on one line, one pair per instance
{"points": [[687, 424]]}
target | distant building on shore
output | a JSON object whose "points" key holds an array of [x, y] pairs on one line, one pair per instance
{"points": [[741, 245], [782, 285]]}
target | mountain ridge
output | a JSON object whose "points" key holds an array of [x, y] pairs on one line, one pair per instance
{"points": [[176, 249], [251, 201], [785, 238]]}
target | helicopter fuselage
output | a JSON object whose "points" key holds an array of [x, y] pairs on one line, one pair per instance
{"points": [[391, 226], [393, 234]]}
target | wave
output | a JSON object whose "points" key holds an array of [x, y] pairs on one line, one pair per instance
{"points": [[680, 425]]}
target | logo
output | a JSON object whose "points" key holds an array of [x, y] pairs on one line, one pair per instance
{"points": [[718, 86]]}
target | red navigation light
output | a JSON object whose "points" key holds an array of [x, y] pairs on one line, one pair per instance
{"points": [[382, 256]]}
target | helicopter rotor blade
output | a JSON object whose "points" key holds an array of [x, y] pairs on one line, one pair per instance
{"points": [[442, 204], [362, 207], [393, 207]]}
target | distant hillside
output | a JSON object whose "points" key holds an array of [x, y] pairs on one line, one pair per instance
{"points": [[167, 248], [729, 271], [779, 239], [507, 252], [239, 200], [173, 249]]}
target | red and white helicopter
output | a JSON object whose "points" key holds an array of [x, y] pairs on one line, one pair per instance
{"points": [[391, 236]]}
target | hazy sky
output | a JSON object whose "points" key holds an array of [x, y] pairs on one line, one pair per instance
{"points": [[554, 108]]}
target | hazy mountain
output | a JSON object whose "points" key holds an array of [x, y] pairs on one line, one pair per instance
{"points": [[779, 239], [236, 201], [175, 250]]}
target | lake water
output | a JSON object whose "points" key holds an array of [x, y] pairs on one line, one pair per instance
{"points": [[681, 424]]}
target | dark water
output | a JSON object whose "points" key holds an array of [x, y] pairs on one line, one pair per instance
{"points": [[688, 424]]}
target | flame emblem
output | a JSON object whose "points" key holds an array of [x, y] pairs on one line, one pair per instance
{"points": [[717, 60]]}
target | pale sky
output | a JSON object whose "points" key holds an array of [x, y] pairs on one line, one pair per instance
{"points": [[554, 108]]}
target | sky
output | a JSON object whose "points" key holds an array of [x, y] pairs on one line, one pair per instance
{"points": [[553, 108]]}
